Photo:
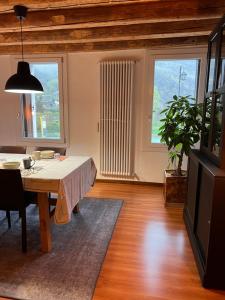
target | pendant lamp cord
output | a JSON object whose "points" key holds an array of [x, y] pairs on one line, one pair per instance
{"points": [[21, 35]]}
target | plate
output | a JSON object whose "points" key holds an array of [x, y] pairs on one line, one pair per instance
{"points": [[11, 165]]}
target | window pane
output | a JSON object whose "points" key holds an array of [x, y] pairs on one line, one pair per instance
{"points": [[218, 125], [221, 80], [172, 77], [212, 66], [45, 117], [207, 121]]}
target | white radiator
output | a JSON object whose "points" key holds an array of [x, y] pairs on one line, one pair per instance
{"points": [[116, 122]]}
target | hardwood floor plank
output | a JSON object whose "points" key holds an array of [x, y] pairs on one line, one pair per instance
{"points": [[149, 256]]}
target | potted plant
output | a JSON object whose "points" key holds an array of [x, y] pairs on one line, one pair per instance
{"points": [[180, 131]]}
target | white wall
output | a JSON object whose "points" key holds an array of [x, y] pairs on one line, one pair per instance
{"points": [[8, 105], [84, 110]]}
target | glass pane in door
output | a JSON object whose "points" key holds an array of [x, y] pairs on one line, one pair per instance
{"points": [[207, 121], [212, 65], [217, 125], [221, 77]]}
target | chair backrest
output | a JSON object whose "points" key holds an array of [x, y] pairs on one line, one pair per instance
{"points": [[11, 190], [13, 149], [62, 151]]}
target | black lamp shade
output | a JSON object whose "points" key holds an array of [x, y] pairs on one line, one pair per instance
{"points": [[23, 82]]}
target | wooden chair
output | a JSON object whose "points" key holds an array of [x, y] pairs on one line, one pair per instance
{"points": [[61, 151], [14, 198], [13, 149]]}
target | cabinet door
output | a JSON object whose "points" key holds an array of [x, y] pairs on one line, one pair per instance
{"points": [[193, 167], [213, 133], [203, 219]]}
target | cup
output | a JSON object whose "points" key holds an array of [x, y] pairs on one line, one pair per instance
{"points": [[27, 163], [36, 155], [57, 156]]}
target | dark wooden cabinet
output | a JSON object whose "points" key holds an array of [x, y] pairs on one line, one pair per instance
{"points": [[204, 215], [204, 210], [213, 133], [204, 202], [192, 191]]}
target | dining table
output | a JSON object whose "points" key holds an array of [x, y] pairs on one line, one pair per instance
{"points": [[69, 177]]}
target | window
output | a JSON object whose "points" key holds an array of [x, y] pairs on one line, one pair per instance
{"points": [[42, 114], [172, 77], [169, 72]]}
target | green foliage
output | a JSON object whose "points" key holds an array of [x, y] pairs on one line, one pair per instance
{"points": [[181, 128], [168, 82]]}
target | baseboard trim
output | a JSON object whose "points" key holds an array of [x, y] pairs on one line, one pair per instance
{"points": [[129, 182]]}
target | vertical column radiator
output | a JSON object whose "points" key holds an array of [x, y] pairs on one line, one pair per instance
{"points": [[116, 122]]}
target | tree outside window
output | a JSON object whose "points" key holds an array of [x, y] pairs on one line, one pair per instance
{"points": [[172, 77]]}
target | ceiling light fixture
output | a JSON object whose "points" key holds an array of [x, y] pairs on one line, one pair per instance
{"points": [[22, 82]]}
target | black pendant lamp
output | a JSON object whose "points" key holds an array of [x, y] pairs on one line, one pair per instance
{"points": [[22, 82]]}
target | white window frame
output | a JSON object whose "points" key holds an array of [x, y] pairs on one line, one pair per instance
{"points": [[150, 58], [63, 96]]}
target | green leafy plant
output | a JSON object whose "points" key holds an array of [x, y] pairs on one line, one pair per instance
{"points": [[181, 128]]}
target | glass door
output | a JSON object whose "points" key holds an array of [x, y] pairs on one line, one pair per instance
{"points": [[213, 114]]}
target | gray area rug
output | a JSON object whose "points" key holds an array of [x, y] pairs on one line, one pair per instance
{"points": [[71, 270]]}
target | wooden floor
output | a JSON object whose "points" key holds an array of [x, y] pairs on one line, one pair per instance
{"points": [[149, 256]]}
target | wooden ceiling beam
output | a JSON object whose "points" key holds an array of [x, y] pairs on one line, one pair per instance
{"points": [[135, 32], [114, 24], [102, 46], [130, 13], [37, 4]]}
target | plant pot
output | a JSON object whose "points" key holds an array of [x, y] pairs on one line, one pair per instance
{"points": [[175, 188]]}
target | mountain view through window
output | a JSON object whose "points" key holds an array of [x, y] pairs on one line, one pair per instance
{"points": [[172, 77], [44, 120]]}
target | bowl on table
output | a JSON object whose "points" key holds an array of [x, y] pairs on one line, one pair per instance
{"points": [[47, 154], [11, 164]]}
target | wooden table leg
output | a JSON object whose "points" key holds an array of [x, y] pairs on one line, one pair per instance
{"points": [[45, 224]]}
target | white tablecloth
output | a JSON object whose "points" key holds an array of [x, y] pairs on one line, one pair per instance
{"points": [[76, 174], [73, 187]]}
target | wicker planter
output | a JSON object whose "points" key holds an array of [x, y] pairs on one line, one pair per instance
{"points": [[175, 188]]}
